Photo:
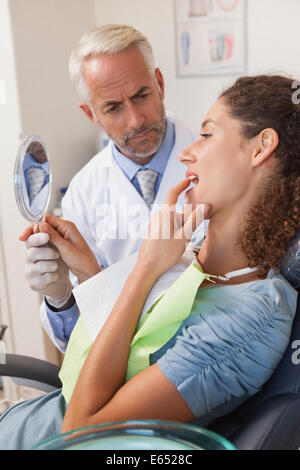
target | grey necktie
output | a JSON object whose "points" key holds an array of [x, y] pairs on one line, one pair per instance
{"points": [[36, 177], [147, 179]]}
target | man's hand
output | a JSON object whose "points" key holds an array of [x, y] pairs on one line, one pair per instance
{"points": [[46, 272]]}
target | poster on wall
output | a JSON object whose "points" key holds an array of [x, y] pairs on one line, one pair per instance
{"points": [[211, 37]]}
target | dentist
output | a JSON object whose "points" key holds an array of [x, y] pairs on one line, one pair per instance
{"points": [[111, 198]]}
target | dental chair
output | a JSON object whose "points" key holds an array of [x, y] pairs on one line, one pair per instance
{"points": [[269, 420], [31, 372]]}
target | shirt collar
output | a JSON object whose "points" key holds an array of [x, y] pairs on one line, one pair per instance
{"points": [[29, 162], [158, 161]]}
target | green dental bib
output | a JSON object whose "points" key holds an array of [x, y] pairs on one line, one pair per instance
{"points": [[155, 329]]}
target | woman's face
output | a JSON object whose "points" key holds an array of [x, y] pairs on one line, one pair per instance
{"points": [[220, 159]]}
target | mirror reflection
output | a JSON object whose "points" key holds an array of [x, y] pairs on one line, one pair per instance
{"points": [[32, 179]]}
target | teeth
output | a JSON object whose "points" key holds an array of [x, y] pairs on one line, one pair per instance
{"points": [[193, 179]]}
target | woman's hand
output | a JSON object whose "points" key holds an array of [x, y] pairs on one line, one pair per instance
{"points": [[169, 232], [100, 394], [72, 247]]}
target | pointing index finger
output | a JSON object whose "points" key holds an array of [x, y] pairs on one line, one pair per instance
{"points": [[173, 193]]}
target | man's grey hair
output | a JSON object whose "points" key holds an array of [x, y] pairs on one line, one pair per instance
{"points": [[108, 39]]}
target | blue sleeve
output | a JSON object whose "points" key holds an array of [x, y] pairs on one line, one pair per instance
{"points": [[229, 352], [62, 323]]}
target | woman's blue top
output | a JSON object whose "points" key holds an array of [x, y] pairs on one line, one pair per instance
{"points": [[230, 344]]}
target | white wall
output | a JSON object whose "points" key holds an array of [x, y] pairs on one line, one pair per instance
{"points": [[274, 44], [10, 127], [273, 38], [44, 34], [36, 38]]}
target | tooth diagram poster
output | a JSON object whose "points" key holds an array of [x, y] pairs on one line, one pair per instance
{"points": [[211, 37]]}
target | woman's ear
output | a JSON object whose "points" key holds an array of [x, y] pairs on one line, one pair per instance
{"points": [[266, 143]]}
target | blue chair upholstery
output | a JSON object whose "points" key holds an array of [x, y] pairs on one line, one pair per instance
{"points": [[270, 420]]}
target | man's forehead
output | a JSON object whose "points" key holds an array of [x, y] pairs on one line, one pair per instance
{"points": [[117, 99], [111, 77], [120, 89]]}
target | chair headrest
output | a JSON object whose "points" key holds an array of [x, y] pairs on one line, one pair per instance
{"points": [[290, 265]]}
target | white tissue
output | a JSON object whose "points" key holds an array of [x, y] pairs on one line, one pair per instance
{"points": [[96, 296]]}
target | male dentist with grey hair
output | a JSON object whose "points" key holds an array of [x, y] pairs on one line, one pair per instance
{"points": [[111, 198]]}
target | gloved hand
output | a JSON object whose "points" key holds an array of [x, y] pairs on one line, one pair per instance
{"points": [[46, 272]]}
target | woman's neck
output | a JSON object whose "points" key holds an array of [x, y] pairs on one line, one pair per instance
{"points": [[221, 251]]}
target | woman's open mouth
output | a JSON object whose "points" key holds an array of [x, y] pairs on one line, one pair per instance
{"points": [[194, 179]]}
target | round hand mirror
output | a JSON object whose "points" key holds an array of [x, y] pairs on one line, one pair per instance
{"points": [[32, 179]]}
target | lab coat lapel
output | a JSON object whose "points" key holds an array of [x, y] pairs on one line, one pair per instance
{"points": [[127, 214]]}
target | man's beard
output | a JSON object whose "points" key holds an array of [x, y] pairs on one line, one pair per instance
{"points": [[159, 128]]}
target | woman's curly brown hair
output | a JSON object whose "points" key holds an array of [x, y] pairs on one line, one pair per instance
{"points": [[260, 102]]}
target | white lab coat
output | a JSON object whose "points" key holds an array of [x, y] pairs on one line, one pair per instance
{"points": [[100, 199]]}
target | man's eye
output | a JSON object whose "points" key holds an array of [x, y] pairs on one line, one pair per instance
{"points": [[206, 136], [143, 96], [112, 109]]}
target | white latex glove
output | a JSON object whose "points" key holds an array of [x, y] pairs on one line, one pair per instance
{"points": [[46, 272]]}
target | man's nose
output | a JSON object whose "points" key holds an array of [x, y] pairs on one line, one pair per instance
{"points": [[135, 118]]}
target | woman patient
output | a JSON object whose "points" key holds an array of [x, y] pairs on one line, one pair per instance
{"points": [[247, 167]]}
